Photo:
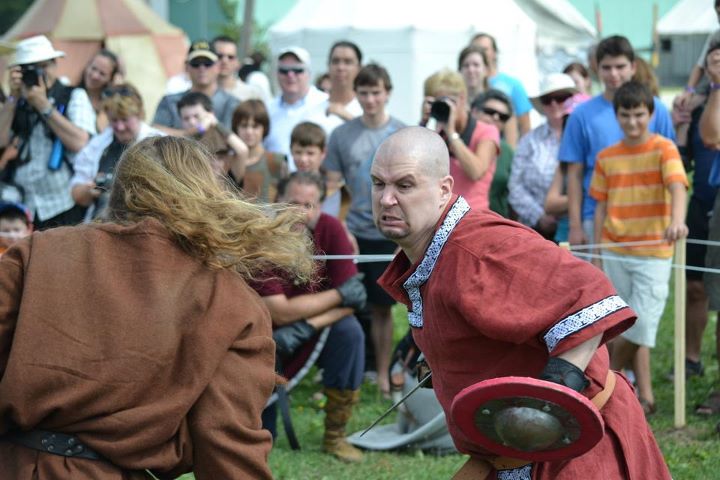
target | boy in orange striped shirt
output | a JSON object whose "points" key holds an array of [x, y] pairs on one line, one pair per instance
{"points": [[641, 189]]}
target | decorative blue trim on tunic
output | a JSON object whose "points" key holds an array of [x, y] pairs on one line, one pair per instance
{"points": [[422, 273], [520, 473], [579, 320]]}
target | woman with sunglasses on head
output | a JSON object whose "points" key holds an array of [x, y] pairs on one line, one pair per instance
{"points": [[95, 164], [99, 74], [152, 357], [536, 156]]}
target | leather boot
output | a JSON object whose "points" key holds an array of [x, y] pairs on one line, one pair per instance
{"points": [[338, 410]]}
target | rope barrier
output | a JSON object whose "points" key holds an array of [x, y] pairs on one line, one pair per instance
{"points": [[575, 249]]}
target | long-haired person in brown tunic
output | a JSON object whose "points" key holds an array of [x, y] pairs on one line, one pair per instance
{"points": [[134, 349]]}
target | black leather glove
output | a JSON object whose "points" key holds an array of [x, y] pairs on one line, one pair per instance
{"points": [[353, 292], [290, 337], [565, 373]]}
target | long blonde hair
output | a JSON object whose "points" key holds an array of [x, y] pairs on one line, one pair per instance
{"points": [[170, 179]]}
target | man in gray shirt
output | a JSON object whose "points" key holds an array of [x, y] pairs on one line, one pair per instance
{"points": [[202, 68], [350, 152]]}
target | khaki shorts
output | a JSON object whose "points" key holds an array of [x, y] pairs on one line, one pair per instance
{"points": [[644, 283]]}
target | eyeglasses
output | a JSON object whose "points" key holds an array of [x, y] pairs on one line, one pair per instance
{"points": [[225, 55], [122, 91], [201, 63], [288, 70], [503, 117], [559, 98]]}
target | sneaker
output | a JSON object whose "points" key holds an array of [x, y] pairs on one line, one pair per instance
{"points": [[692, 369]]}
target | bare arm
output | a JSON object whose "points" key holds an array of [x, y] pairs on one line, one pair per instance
{"points": [[329, 317], [581, 355], [239, 160], [512, 132], [176, 132], [599, 221], [678, 208], [72, 137], [476, 163], [84, 194], [7, 113], [284, 310], [575, 197], [334, 180], [556, 202], [710, 120], [524, 123]]}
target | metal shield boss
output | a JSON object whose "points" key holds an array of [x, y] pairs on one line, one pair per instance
{"points": [[527, 418]]}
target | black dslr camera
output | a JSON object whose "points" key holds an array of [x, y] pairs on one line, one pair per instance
{"points": [[31, 75], [440, 110]]}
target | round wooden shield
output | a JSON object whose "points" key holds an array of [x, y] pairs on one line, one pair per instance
{"points": [[527, 418]]}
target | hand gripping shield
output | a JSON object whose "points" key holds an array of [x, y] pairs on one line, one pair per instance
{"points": [[527, 418]]}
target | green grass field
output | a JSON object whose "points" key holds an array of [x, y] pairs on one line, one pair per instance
{"points": [[691, 452]]}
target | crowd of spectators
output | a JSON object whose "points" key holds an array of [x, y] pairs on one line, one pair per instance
{"points": [[312, 145]]}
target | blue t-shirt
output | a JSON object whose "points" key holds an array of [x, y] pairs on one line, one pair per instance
{"points": [[512, 87], [592, 127]]}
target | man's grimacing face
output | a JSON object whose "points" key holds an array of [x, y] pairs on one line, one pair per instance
{"points": [[406, 201]]}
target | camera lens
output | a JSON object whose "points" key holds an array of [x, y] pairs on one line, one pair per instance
{"points": [[440, 110]]}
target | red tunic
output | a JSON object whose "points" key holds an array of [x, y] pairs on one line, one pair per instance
{"points": [[499, 301]]}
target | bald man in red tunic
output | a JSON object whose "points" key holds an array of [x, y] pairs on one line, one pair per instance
{"points": [[490, 298]]}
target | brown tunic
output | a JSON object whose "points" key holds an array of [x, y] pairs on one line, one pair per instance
{"points": [[114, 334]]}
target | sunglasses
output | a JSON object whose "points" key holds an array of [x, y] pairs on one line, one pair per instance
{"points": [[288, 70], [560, 98], [112, 91], [503, 117], [201, 63]]}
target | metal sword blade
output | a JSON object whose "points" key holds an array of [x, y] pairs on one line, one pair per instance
{"points": [[398, 403]]}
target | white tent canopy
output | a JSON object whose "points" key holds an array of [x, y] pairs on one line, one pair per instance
{"points": [[689, 17], [414, 38]]}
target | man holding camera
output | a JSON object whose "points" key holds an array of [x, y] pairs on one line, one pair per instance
{"points": [[51, 122]]}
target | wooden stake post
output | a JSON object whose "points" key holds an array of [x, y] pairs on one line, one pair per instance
{"points": [[680, 292]]}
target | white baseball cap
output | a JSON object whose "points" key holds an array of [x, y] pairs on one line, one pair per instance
{"points": [[299, 53]]}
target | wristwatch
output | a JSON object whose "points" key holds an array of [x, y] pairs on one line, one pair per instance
{"points": [[454, 136], [46, 112]]}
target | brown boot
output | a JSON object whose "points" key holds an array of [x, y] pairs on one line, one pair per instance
{"points": [[338, 410]]}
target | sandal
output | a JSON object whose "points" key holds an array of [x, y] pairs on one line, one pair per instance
{"points": [[647, 406], [711, 406]]}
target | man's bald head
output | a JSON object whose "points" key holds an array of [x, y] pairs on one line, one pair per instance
{"points": [[423, 145]]}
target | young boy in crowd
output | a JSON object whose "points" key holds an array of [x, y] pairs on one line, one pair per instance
{"points": [[307, 146], [264, 169], [231, 153], [15, 224], [640, 187]]}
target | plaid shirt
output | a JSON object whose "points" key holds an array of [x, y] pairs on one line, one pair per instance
{"points": [[533, 168], [47, 192]]}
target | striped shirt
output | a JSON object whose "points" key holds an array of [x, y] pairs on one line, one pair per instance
{"points": [[633, 181]]}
